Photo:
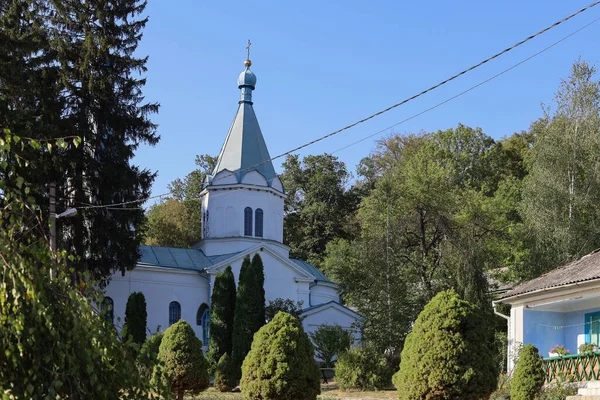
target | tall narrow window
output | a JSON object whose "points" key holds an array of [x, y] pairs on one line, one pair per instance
{"points": [[174, 312], [248, 221], [205, 326], [107, 309], [592, 328], [203, 307], [258, 222]]}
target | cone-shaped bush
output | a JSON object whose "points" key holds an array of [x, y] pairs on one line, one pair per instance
{"points": [[221, 317], [224, 374], [281, 363], [136, 317], [449, 353], [249, 310], [529, 375], [182, 365]]}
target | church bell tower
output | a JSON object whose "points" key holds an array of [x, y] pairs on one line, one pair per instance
{"points": [[242, 200]]}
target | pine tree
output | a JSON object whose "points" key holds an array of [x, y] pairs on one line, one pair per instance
{"points": [[250, 309], [221, 317], [136, 317], [72, 68]]}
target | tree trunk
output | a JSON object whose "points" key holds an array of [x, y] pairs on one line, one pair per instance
{"points": [[180, 394]]}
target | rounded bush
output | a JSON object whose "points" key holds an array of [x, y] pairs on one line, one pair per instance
{"points": [[148, 355], [281, 363], [363, 368], [449, 354], [224, 374], [183, 367], [529, 375]]}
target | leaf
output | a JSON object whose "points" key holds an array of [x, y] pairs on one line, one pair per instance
{"points": [[20, 181], [77, 141]]}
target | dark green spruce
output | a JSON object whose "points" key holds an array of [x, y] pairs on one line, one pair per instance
{"points": [[221, 317]]}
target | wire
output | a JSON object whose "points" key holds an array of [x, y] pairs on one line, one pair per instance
{"points": [[431, 88], [469, 89]]}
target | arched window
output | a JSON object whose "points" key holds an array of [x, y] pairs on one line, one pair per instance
{"points": [[174, 312], [205, 326], [258, 222], [248, 221], [107, 309], [203, 307]]}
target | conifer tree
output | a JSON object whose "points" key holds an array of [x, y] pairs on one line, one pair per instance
{"points": [[72, 67], [221, 317], [250, 309], [136, 317]]}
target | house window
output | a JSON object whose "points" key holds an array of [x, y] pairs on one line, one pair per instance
{"points": [[258, 223], [107, 309], [205, 326], [203, 307], [592, 328], [247, 221], [174, 312]]}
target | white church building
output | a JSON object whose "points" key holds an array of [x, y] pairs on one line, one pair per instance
{"points": [[242, 214]]}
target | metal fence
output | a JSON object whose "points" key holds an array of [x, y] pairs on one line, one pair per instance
{"points": [[572, 368]]}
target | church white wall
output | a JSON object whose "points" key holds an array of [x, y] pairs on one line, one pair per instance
{"points": [[220, 246], [254, 178], [226, 212], [160, 286], [320, 293]]}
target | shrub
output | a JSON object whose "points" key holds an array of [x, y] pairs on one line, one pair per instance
{"points": [[221, 317], [502, 392], [285, 305], [363, 368], [224, 374], [136, 317], [449, 353], [249, 310], [529, 375], [182, 365], [587, 348], [147, 357], [330, 341], [281, 364], [557, 392]]}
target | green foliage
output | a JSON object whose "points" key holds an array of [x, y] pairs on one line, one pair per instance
{"points": [[363, 368], [221, 317], [448, 354], [587, 348], [147, 357], [224, 374], [528, 376], [136, 317], [182, 363], [285, 305], [173, 223], [559, 391], [330, 341], [281, 364], [502, 392], [250, 309]]}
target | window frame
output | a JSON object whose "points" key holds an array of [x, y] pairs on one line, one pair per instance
{"points": [[588, 327], [174, 307], [108, 304], [258, 222], [201, 309], [248, 221], [206, 326]]}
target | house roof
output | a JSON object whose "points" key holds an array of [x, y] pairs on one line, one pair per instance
{"points": [[311, 269], [587, 268], [171, 257], [329, 304]]}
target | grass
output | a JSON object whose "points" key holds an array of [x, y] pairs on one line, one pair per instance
{"points": [[328, 392]]}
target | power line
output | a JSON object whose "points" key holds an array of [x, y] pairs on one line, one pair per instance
{"points": [[431, 88]]}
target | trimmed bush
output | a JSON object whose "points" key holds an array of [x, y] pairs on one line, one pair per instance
{"points": [[250, 309], [281, 364], [449, 354], [224, 374], [222, 311], [529, 375], [330, 341], [147, 357], [363, 368], [136, 317], [182, 366]]}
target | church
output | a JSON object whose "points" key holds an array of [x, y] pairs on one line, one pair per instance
{"points": [[242, 214]]}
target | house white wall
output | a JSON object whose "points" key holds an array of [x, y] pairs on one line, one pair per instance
{"points": [[331, 315], [323, 293]]}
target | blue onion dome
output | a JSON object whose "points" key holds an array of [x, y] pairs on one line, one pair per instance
{"points": [[247, 77]]}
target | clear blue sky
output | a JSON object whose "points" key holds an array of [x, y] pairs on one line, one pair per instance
{"points": [[324, 64]]}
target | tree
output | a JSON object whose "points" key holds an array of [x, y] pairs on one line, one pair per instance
{"points": [[448, 354], [147, 357], [173, 223], [318, 206], [562, 190], [82, 78], [529, 374], [136, 317], [250, 309], [286, 305], [224, 374], [183, 365], [221, 317], [281, 364], [363, 368], [330, 341]]}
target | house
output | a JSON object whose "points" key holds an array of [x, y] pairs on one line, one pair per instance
{"points": [[561, 307], [242, 214]]}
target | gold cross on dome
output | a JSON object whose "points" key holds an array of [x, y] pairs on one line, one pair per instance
{"points": [[248, 48]]}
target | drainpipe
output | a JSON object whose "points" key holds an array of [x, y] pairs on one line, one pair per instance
{"points": [[498, 313], [509, 349]]}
